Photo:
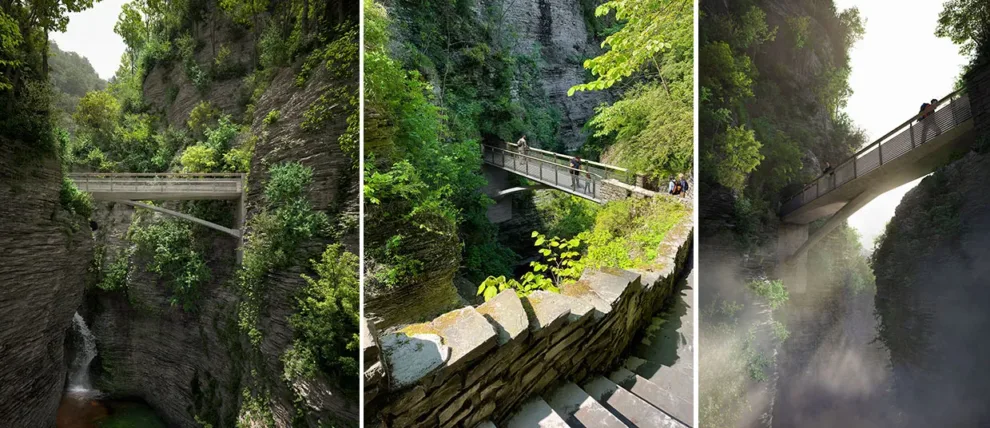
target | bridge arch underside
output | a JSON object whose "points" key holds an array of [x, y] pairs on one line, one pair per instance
{"points": [[839, 204]]}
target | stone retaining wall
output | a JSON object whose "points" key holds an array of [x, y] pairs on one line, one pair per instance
{"points": [[479, 363]]}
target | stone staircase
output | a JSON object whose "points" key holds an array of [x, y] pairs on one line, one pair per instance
{"points": [[652, 388]]}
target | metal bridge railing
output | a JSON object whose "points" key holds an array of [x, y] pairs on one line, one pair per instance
{"points": [[548, 171], [182, 183], [951, 111], [603, 170]]}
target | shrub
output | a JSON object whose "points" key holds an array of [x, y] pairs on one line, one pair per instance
{"points": [[771, 290], [286, 222], [199, 158], [272, 117], [169, 245], [73, 200], [326, 318]]}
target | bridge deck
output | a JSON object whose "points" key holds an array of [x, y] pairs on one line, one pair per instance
{"points": [[908, 152], [160, 187], [585, 184]]}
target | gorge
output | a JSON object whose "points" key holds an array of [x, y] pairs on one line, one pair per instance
{"points": [[119, 312]]}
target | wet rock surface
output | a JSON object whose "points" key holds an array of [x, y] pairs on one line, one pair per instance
{"points": [[44, 255]]}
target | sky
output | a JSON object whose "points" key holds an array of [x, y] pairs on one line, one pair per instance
{"points": [[90, 34], [889, 82]]}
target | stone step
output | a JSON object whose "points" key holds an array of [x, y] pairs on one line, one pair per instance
{"points": [[660, 398], [630, 409], [579, 409], [536, 413], [678, 379]]}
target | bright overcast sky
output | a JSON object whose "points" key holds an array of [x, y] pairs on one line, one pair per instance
{"points": [[898, 65], [91, 35]]}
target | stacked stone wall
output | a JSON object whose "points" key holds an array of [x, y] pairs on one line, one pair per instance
{"points": [[479, 363]]}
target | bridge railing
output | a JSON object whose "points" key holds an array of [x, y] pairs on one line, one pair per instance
{"points": [[951, 111], [604, 170], [547, 171], [159, 183]]}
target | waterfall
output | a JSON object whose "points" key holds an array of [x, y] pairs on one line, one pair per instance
{"points": [[79, 374]]}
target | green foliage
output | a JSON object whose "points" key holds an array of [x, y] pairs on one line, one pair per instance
{"points": [[653, 131], [566, 215], [754, 134], [169, 246], [967, 24], [780, 331], [272, 117], [531, 282], [199, 158], [740, 156], [73, 76], [74, 201], [562, 257], [772, 291], [201, 118], [326, 320], [278, 233], [799, 27], [98, 110], [627, 234], [651, 29], [114, 277], [421, 169]]}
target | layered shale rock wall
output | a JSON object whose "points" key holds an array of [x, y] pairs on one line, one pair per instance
{"points": [[44, 255], [479, 363]]}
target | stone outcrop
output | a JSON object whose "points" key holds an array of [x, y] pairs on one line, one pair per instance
{"points": [[44, 255], [490, 358]]}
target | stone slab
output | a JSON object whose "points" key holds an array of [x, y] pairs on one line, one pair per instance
{"points": [[536, 413], [506, 313], [579, 409], [629, 408], [413, 357], [665, 400], [546, 312]]}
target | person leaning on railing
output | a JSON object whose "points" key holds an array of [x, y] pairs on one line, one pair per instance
{"points": [[926, 115]]}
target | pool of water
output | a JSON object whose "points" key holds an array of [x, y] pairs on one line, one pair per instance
{"points": [[91, 410]]}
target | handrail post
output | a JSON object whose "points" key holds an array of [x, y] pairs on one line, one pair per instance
{"points": [[880, 150]]}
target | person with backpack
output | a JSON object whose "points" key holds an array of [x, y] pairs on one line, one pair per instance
{"points": [[684, 186], [670, 186], [926, 115], [575, 171]]}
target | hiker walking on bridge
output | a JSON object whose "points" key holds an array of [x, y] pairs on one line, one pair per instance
{"points": [[575, 171], [926, 115], [521, 145]]}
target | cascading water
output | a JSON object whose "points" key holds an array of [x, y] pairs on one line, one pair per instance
{"points": [[79, 375]]}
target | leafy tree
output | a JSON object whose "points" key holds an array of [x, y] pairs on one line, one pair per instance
{"points": [[967, 24], [132, 28], [651, 28]]}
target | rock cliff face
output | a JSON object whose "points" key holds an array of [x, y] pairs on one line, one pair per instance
{"points": [[559, 30], [43, 260], [197, 364], [179, 362], [931, 270]]}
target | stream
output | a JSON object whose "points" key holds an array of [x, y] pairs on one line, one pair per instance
{"points": [[83, 406]]}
